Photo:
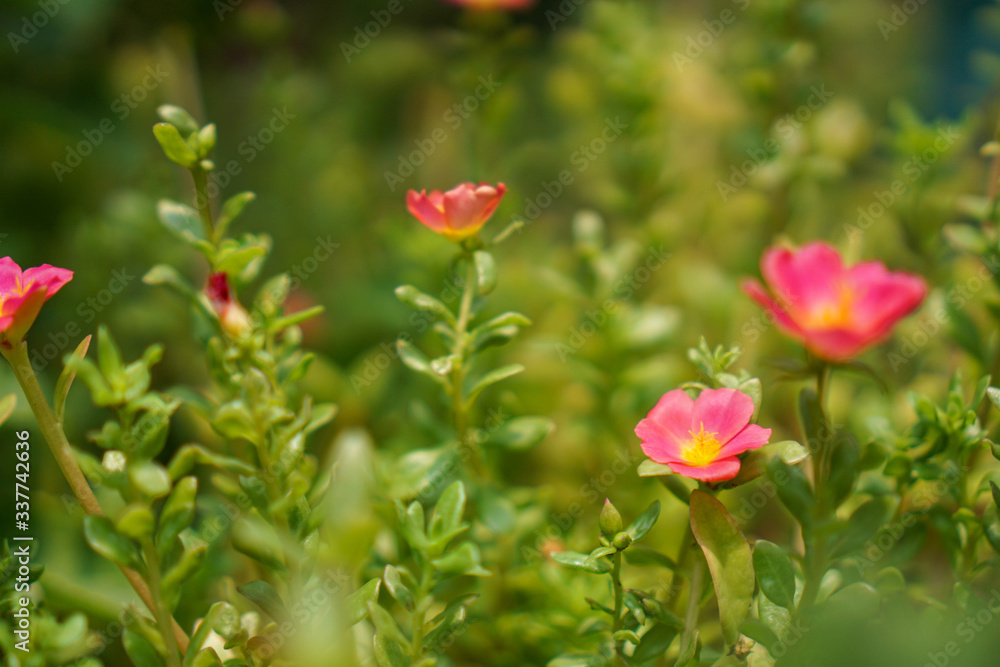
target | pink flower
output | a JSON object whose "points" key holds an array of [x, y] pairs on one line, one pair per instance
{"points": [[701, 438], [493, 4], [835, 311], [458, 213], [232, 315], [22, 294]]}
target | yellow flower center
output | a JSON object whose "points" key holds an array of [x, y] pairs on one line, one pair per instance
{"points": [[836, 313], [702, 449]]}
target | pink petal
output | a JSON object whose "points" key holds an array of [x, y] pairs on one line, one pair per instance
{"points": [[802, 278], [724, 412], [717, 471], [50, 277], [664, 432], [462, 206], [883, 298], [756, 291], [751, 437], [422, 208], [22, 311], [10, 276], [839, 344]]}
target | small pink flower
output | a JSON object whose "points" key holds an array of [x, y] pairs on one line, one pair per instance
{"points": [[835, 311], [22, 294], [458, 213], [232, 315], [701, 438], [494, 4]]}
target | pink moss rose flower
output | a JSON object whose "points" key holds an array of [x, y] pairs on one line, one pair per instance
{"points": [[458, 213], [701, 438], [836, 311], [22, 294]]}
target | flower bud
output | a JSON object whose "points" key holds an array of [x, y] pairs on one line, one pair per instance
{"points": [[611, 520], [622, 540]]}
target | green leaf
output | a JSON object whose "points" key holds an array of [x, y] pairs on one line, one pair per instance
{"points": [[177, 513], [581, 561], [775, 573], [140, 650], [254, 537], [174, 146], [864, 524], [521, 433], [106, 541], [794, 491], [654, 643], [493, 377], [182, 221], [644, 522], [729, 560], [650, 468], [844, 459], [186, 568], [136, 522], [389, 652], [177, 116], [357, 602], [150, 478], [486, 272], [296, 318], [206, 139], [64, 382], [994, 395], [448, 512], [417, 300], [413, 358], [385, 624], [266, 598], [463, 560], [109, 357], [231, 210], [397, 589]]}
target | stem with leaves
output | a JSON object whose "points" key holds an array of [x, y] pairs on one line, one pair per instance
{"points": [[52, 430]]}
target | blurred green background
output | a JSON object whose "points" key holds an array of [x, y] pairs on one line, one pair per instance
{"points": [[781, 125]]}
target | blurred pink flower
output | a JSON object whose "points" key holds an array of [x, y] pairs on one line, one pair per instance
{"points": [[22, 294], [835, 311], [493, 4], [232, 315], [701, 438], [458, 213]]}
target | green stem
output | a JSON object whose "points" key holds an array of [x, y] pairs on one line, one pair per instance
{"points": [[683, 553], [203, 203], [815, 557], [616, 583], [460, 407], [53, 433], [164, 618], [420, 613], [693, 605]]}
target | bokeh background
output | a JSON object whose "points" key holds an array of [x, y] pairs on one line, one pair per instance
{"points": [[733, 124]]}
